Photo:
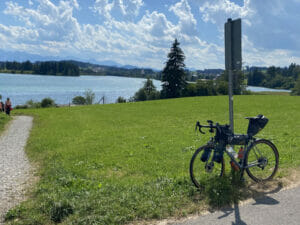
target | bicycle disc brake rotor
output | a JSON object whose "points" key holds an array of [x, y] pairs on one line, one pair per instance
{"points": [[262, 162]]}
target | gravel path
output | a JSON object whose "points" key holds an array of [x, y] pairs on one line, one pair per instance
{"points": [[15, 170]]}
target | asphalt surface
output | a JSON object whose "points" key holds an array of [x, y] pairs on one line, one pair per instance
{"points": [[278, 208]]}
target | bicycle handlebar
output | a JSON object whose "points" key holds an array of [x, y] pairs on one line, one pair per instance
{"points": [[198, 125], [210, 126]]}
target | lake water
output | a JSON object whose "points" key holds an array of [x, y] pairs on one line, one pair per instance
{"points": [[21, 88], [259, 89]]}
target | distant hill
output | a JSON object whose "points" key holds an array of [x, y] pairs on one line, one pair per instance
{"points": [[124, 71]]}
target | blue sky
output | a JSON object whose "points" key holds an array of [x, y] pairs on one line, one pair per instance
{"points": [[141, 32]]}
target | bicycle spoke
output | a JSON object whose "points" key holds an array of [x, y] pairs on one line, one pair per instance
{"points": [[262, 161], [201, 172]]}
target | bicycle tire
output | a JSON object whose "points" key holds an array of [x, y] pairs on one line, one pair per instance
{"points": [[260, 153], [199, 177]]}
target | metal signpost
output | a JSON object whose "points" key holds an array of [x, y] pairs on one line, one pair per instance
{"points": [[233, 57]]}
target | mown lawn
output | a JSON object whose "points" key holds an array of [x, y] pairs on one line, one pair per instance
{"points": [[117, 163], [3, 121]]}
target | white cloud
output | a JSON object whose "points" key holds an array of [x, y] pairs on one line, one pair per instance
{"points": [[187, 22], [217, 11], [52, 29], [118, 9], [127, 37], [270, 34], [257, 56], [52, 22]]}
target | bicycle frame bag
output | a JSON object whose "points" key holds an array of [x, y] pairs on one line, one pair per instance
{"points": [[256, 124], [205, 155], [219, 152], [238, 139]]}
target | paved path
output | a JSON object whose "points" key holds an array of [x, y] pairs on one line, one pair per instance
{"points": [[15, 170], [273, 209]]}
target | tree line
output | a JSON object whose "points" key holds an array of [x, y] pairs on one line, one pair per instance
{"points": [[64, 68], [274, 77], [174, 81]]}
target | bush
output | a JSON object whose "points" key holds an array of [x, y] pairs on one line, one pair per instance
{"points": [[147, 92], [120, 100], [47, 102], [140, 95], [33, 104], [78, 100], [21, 107]]}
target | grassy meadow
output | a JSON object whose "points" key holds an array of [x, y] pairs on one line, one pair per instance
{"points": [[119, 163], [3, 121]]}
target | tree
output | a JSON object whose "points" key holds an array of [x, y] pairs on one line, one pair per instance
{"points": [[89, 97], [173, 75], [296, 89], [147, 92], [255, 77], [47, 102], [120, 99], [237, 81]]}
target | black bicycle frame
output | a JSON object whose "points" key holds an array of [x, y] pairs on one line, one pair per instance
{"points": [[242, 162]]}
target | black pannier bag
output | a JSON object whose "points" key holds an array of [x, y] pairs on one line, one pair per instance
{"points": [[219, 151], [256, 124], [205, 155]]}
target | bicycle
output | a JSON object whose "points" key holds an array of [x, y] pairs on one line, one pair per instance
{"points": [[259, 157]]}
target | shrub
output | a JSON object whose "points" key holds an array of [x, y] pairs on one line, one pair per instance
{"points": [[120, 100], [78, 100], [47, 102], [33, 104], [140, 95], [21, 107]]}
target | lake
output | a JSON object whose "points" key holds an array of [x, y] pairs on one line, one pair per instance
{"points": [[21, 88], [259, 89]]}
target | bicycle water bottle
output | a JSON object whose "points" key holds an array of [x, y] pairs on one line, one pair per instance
{"points": [[241, 153], [234, 166], [231, 151]]}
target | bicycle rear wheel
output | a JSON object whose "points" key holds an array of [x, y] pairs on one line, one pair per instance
{"points": [[262, 160], [201, 172]]}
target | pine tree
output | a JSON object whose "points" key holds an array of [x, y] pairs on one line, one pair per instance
{"points": [[173, 75]]}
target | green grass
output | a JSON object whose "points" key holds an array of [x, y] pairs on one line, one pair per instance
{"points": [[3, 121], [112, 164], [271, 93]]}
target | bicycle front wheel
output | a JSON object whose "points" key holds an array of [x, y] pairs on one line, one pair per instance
{"points": [[201, 172], [262, 160]]}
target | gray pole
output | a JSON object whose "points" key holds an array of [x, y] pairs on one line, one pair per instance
{"points": [[230, 93], [228, 65], [233, 58]]}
